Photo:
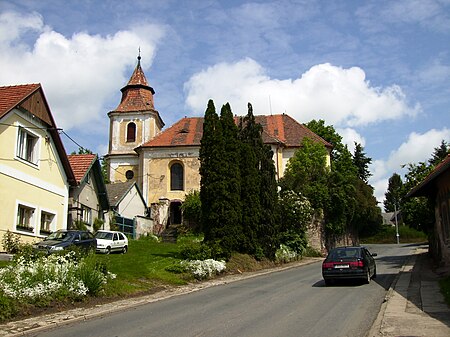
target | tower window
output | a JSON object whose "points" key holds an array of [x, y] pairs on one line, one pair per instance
{"points": [[131, 132], [129, 174], [177, 177]]}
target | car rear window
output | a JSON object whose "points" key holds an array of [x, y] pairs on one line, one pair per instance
{"points": [[343, 253]]}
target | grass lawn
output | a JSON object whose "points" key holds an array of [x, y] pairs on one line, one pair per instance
{"points": [[143, 267]]}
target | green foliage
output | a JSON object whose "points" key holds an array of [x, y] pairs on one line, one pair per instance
{"points": [[238, 190], [295, 212], [93, 274], [192, 208], [417, 212], [98, 224], [307, 173], [367, 218], [296, 241], [79, 225], [439, 153], [82, 150], [11, 242], [394, 193], [387, 234], [8, 307], [361, 162]]}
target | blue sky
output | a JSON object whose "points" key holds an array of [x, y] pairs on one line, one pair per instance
{"points": [[378, 71]]}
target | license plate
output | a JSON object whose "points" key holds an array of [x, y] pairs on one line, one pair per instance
{"points": [[341, 266]]}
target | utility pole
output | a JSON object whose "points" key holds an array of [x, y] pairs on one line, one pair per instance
{"points": [[396, 222]]}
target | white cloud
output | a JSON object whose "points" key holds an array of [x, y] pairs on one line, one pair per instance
{"points": [[350, 136], [342, 97], [78, 73], [417, 148]]}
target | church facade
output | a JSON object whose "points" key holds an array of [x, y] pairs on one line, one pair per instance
{"points": [[165, 163]]}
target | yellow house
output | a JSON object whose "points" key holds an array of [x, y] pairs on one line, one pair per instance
{"points": [[35, 173], [165, 164]]}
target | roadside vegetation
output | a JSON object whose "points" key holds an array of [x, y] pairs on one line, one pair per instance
{"points": [[388, 234]]}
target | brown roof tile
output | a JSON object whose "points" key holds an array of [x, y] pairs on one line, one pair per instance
{"points": [[11, 96], [276, 129], [81, 163]]}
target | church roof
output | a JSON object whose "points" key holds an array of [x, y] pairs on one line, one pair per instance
{"points": [[277, 129], [137, 95]]}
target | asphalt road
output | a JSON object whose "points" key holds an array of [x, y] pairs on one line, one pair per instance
{"points": [[294, 302]]}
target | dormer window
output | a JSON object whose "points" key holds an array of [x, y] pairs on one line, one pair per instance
{"points": [[131, 132]]}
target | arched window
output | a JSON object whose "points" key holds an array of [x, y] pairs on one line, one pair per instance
{"points": [[176, 177], [131, 132]]}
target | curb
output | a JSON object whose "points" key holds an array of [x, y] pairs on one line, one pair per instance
{"points": [[375, 330]]}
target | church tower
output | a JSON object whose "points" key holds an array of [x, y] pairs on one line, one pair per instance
{"points": [[133, 123]]}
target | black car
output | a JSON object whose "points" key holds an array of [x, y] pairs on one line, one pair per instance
{"points": [[64, 239], [349, 263]]}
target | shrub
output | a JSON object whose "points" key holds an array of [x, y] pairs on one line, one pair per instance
{"points": [[8, 307], [11, 242], [285, 254], [204, 269]]}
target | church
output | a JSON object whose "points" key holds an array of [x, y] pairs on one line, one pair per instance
{"points": [[165, 162]]}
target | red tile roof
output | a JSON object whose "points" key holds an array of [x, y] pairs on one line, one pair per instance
{"points": [[11, 96], [81, 164], [277, 129]]}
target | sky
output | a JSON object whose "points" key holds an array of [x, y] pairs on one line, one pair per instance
{"points": [[377, 71]]}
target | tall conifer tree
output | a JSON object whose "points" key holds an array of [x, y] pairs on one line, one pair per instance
{"points": [[210, 159], [250, 135], [231, 207]]}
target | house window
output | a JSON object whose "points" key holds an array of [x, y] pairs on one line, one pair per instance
{"points": [[86, 215], [26, 146], [176, 177], [25, 217], [131, 132], [46, 223]]}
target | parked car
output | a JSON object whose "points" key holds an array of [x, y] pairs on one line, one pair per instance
{"points": [[111, 241], [349, 263], [64, 239]]}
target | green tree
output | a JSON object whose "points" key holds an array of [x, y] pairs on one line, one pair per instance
{"points": [[439, 153], [211, 186], [82, 150], [307, 173], [251, 142], [231, 207], [394, 193], [342, 189], [417, 212], [361, 161], [328, 133], [269, 228], [367, 219], [192, 209]]}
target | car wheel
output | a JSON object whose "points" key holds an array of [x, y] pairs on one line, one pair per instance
{"points": [[108, 250], [124, 249], [367, 279]]}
